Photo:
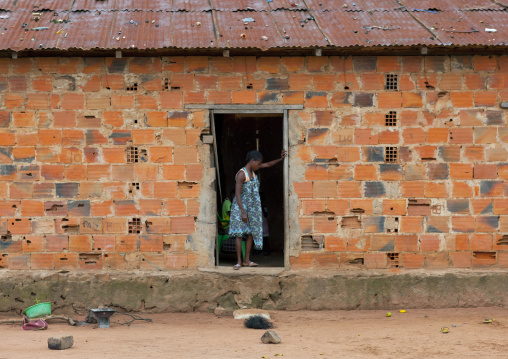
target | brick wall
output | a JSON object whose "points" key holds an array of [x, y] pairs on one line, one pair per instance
{"points": [[94, 150]]}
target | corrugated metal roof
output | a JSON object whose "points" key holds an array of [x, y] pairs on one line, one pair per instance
{"points": [[209, 24], [240, 5], [193, 30], [236, 34], [190, 5]]}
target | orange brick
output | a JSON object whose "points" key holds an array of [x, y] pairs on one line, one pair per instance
{"points": [[161, 154], [413, 136], [411, 99], [411, 224], [122, 101], [389, 100], [303, 261], [461, 135], [244, 97], [42, 261], [412, 189], [485, 63], [81, 243], [146, 172], [185, 154], [429, 243], [461, 190], [365, 173], [485, 98], [436, 190], [394, 207], [143, 137], [462, 99], [437, 135], [411, 261], [461, 171], [73, 101], [460, 259], [313, 206], [406, 243]]}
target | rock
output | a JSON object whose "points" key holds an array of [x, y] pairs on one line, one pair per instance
{"points": [[247, 313], [219, 311], [270, 337], [60, 343]]}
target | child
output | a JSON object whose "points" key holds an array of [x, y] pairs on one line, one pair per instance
{"points": [[226, 210], [246, 216]]}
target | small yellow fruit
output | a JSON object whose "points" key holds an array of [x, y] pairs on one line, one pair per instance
{"points": [[389, 314]]}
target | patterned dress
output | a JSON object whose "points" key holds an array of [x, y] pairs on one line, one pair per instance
{"points": [[252, 205]]}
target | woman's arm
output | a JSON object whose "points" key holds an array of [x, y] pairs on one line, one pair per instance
{"points": [[274, 162], [240, 179]]}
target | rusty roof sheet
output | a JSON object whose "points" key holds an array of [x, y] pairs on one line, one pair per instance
{"points": [[193, 30], [377, 29], [240, 5], [209, 24], [23, 32], [463, 29], [299, 28], [191, 5], [233, 33]]}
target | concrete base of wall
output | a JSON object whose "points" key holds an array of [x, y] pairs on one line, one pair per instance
{"points": [[202, 291]]}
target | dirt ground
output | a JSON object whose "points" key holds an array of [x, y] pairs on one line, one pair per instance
{"points": [[305, 334]]}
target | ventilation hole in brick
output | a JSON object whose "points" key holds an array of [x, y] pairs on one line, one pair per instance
{"points": [[484, 255], [166, 84], [249, 87], [346, 87], [442, 94], [71, 228], [357, 261], [436, 209], [503, 241], [28, 242], [106, 255], [358, 210], [310, 243], [81, 205], [134, 186], [391, 154], [429, 86], [135, 121], [392, 82], [391, 119], [393, 260], [6, 237], [135, 226], [175, 87], [63, 259], [132, 154], [89, 258], [133, 87], [428, 158], [166, 246], [88, 118], [351, 222], [324, 213]]}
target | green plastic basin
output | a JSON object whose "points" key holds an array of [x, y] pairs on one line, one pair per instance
{"points": [[38, 310]]}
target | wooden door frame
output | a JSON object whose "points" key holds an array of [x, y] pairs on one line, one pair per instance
{"points": [[258, 109]]}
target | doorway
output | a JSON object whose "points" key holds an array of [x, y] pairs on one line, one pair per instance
{"points": [[235, 135]]}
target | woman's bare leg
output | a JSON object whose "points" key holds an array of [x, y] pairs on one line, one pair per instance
{"points": [[239, 250], [248, 247]]}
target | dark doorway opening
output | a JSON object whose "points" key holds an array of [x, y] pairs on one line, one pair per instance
{"points": [[237, 134]]}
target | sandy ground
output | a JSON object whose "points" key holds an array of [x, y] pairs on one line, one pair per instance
{"points": [[326, 334]]}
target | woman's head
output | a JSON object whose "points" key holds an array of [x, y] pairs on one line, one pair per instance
{"points": [[255, 158]]}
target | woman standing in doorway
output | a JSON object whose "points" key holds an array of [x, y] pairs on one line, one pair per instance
{"points": [[246, 214]]}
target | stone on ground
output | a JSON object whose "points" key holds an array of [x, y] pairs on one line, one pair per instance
{"points": [[247, 313], [270, 337], [219, 311], [60, 343]]}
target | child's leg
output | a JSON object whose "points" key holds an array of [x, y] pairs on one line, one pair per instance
{"points": [[239, 250]]}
